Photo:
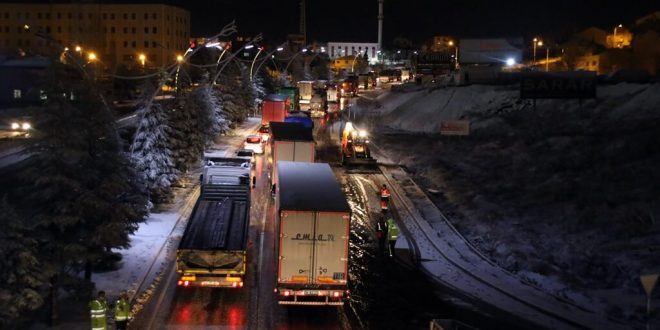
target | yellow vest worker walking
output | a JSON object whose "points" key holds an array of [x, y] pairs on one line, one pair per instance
{"points": [[98, 309], [392, 235], [122, 311]]}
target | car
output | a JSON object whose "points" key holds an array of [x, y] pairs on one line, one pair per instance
{"points": [[246, 153], [253, 142], [264, 132]]}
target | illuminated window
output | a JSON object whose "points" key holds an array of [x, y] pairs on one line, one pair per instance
{"points": [[42, 95], [17, 93]]}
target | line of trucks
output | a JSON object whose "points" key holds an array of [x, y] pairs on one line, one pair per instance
{"points": [[312, 224]]}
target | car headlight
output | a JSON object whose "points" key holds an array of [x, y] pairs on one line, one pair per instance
{"points": [[26, 126], [15, 126]]}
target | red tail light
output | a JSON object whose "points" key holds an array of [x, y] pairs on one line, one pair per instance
{"points": [[234, 284], [186, 283], [240, 284], [180, 282], [336, 294], [287, 293]]}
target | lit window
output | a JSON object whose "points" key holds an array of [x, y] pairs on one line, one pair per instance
{"points": [[17, 93], [42, 95], [72, 96]]}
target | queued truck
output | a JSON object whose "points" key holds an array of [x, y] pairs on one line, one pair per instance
{"points": [[274, 108], [292, 93], [213, 248], [306, 91], [290, 142], [312, 233]]}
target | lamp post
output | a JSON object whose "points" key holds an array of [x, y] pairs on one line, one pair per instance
{"points": [[246, 46], [355, 58], [179, 61], [547, 58], [286, 68], [142, 58], [537, 42], [261, 49], [269, 55]]}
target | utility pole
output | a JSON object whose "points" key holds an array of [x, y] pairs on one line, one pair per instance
{"points": [[303, 24], [380, 24]]}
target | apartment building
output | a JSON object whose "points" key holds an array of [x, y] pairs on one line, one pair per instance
{"points": [[149, 35]]}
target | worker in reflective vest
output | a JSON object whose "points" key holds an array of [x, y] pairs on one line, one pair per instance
{"points": [[381, 232], [98, 309], [392, 235], [385, 193], [122, 311]]}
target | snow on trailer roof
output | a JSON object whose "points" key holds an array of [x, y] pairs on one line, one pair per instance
{"points": [[276, 97], [290, 132], [309, 187]]}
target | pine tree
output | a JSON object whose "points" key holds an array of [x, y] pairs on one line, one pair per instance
{"points": [[229, 89], [151, 154], [85, 197], [212, 120], [186, 140], [21, 274]]}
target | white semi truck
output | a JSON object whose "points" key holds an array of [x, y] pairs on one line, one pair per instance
{"points": [[312, 233]]}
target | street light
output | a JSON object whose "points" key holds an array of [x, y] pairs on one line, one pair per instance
{"points": [[254, 59], [286, 68], [355, 58], [537, 42], [91, 56], [142, 58], [269, 55]]}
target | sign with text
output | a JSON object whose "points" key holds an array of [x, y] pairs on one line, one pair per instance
{"points": [[455, 127], [558, 85]]}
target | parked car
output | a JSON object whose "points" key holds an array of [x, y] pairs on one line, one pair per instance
{"points": [[253, 142]]}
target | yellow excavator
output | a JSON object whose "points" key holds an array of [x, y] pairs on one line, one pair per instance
{"points": [[355, 147]]}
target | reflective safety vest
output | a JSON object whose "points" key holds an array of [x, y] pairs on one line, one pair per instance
{"points": [[122, 309], [383, 205], [385, 193], [392, 230], [98, 309]]}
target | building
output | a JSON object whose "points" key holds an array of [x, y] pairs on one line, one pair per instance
{"points": [[20, 86], [149, 35], [347, 64], [340, 49]]}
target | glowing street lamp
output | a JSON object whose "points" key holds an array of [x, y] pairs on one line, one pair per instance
{"points": [[91, 57], [142, 58], [271, 55], [537, 42], [253, 60]]}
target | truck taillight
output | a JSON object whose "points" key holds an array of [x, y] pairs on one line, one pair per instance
{"points": [[186, 283], [234, 284], [287, 293], [240, 284], [180, 282], [336, 293]]}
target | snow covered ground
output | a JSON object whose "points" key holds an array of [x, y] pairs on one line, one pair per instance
{"points": [[539, 190]]}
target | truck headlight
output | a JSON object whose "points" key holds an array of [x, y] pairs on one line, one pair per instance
{"points": [[26, 126], [15, 126]]}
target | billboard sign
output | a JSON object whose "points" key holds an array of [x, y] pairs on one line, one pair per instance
{"points": [[455, 127], [558, 85]]}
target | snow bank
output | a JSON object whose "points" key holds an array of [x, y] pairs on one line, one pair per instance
{"points": [[422, 112]]}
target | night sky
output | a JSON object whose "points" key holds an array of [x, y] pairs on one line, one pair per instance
{"points": [[417, 20]]}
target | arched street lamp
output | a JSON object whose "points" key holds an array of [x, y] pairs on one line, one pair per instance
{"points": [[261, 49], [302, 51], [231, 57], [277, 49]]}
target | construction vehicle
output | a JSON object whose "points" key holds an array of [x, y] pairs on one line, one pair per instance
{"points": [[213, 248], [312, 233], [355, 147]]}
